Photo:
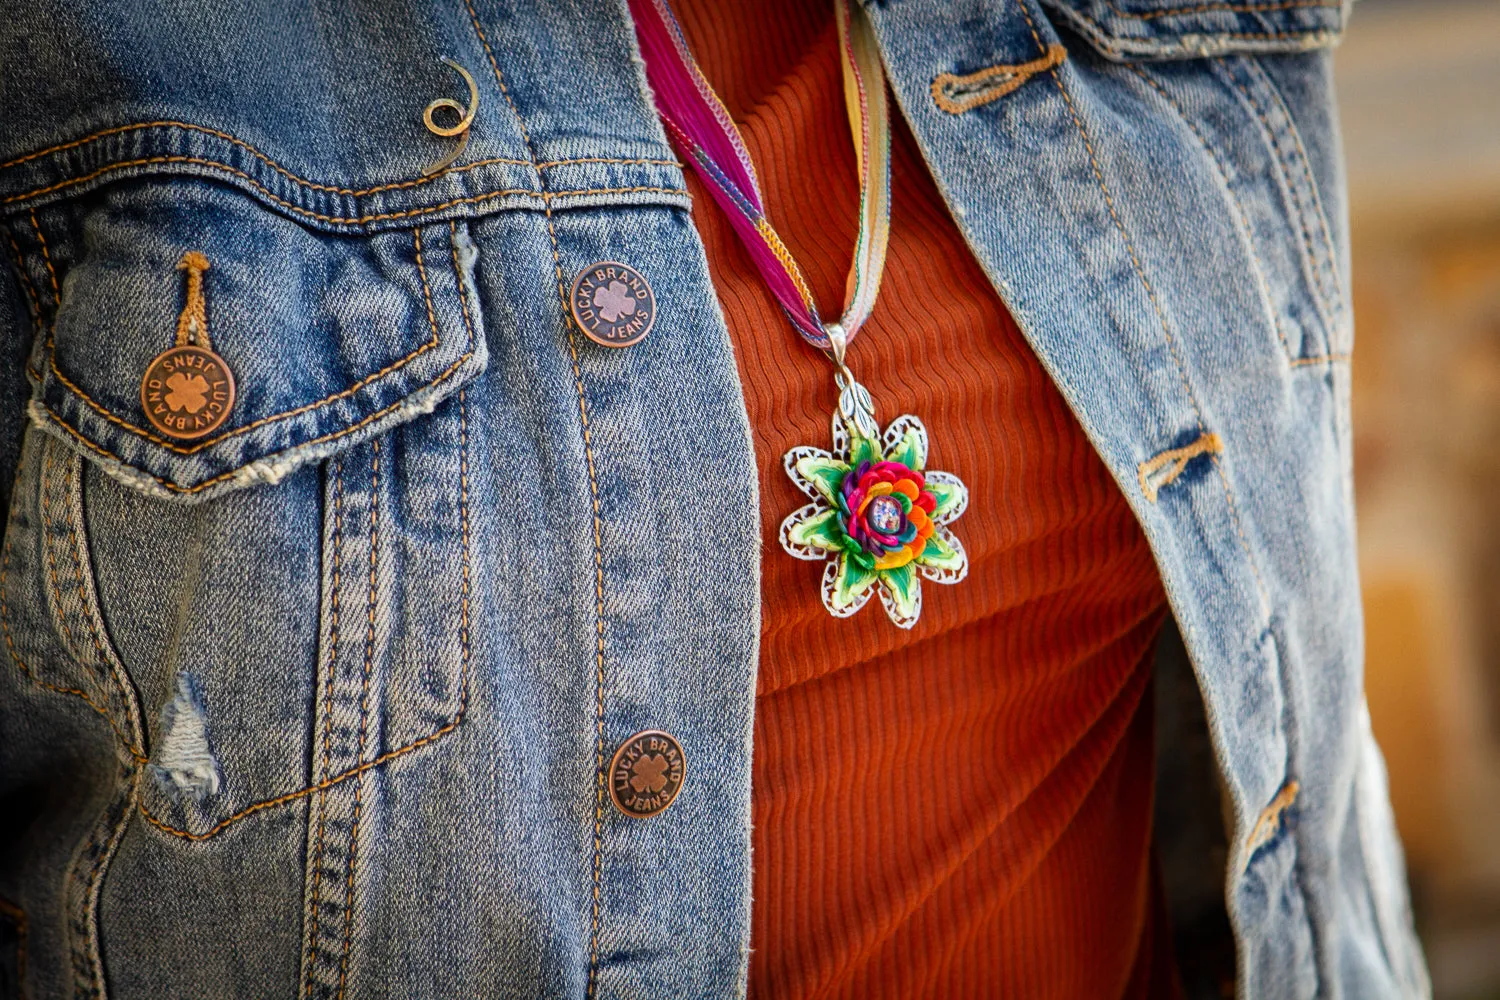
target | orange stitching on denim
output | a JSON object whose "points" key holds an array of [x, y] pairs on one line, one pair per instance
{"points": [[1174, 461], [48, 465], [47, 257], [15, 655], [588, 451], [1269, 820], [1322, 265], [1249, 36], [192, 322], [265, 191], [300, 181], [311, 185], [463, 698], [333, 655], [1301, 208], [1320, 359], [284, 415], [643, 162], [364, 709], [330, 219], [989, 84], [1228, 8], [1156, 307], [167, 484], [100, 863], [26, 283], [173, 487], [83, 600], [18, 917], [89, 608], [327, 783], [1269, 36], [1224, 176]]}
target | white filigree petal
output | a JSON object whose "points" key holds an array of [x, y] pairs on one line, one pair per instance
{"points": [[949, 479], [789, 463], [796, 517], [894, 611], [840, 438], [951, 574], [830, 586]]}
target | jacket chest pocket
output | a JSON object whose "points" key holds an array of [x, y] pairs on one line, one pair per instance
{"points": [[243, 505]]}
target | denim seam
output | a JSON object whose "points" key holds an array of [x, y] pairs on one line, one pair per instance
{"points": [[598, 622], [47, 258], [433, 341], [207, 483], [364, 712], [89, 600], [1293, 361], [335, 220], [116, 818], [1105, 34], [1330, 305], [15, 655], [25, 281], [92, 958], [1330, 254], [49, 464], [1227, 8], [312, 185], [333, 651], [87, 606], [588, 451], [464, 640], [1156, 306], [1213, 155]]}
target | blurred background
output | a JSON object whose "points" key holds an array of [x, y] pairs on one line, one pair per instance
{"points": [[1419, 87]]}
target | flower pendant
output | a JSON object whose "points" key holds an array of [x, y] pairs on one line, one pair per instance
{"points": [[878, 517]]}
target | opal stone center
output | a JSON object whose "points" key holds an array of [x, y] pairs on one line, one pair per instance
{"points": [[884, 515]]}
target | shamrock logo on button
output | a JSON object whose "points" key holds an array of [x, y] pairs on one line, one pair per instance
{"points": [[614, 301], [189, 392], [650, 773]]}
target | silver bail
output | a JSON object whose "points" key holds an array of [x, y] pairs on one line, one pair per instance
{"points": [[838, 342]]}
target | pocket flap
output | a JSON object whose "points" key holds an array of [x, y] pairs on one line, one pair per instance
{"points": [[329, 340], [1181, 29]]}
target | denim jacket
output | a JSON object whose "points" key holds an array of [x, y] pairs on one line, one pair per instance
{"points": [[320, 702]]}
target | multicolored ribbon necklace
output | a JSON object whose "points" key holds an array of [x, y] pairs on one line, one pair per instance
{"points": [[878, 517]]}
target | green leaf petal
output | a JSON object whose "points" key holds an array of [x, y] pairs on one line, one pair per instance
{"points": [[950, 495], [862, 450], [820, 531], [902, 583], [826, 473], [853, 580], [939, 554], [908, 451]]}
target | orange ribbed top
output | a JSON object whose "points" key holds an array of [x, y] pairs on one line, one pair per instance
{"points": [[962, 810]]}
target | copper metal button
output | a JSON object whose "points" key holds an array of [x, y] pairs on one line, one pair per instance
{"points": [[187, 391], [646, 773], [612, 304]]}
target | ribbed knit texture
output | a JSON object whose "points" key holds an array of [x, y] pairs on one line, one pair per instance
{"points": [[963, 810]]}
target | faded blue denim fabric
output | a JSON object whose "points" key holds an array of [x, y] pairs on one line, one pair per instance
{"points": [[320, 704]]}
